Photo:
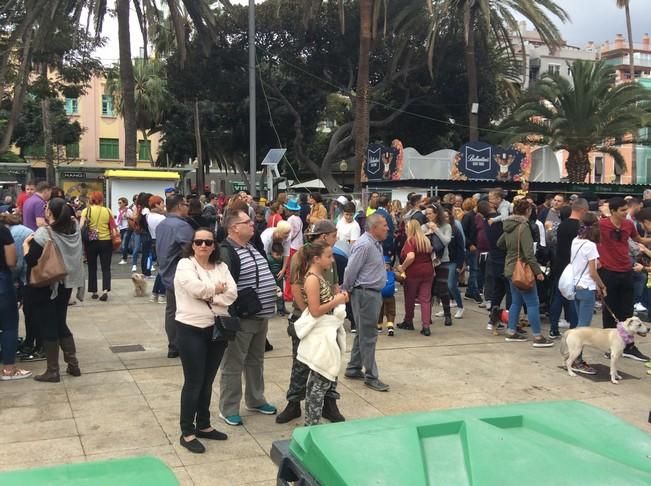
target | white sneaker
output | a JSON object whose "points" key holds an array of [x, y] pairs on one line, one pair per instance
{"points": [[639, 308], [122, 262], [153, 298], [453, 304], [489, 327], [439, 314], [563, 323], [162, 299], [134, 268], [459, 313]]}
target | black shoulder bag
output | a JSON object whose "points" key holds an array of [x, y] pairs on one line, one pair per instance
{"points": [[225, 327], [248, 303]]}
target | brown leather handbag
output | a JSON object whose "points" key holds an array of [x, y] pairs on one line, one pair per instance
{"points": [[49, 268], [523, 277]]}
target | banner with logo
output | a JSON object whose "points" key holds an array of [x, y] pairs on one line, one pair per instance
{"points": [[481, 161], [382, 162]]}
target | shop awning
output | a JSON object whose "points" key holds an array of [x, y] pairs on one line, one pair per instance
{"points": [[142, 174]]}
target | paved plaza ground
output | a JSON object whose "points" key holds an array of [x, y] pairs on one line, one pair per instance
{"points": [[127, 404]]}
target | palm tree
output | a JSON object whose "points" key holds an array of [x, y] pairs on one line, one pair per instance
{"points": [[586, 113], [486, 19], [626, 6], [361, 128], [126, 77], [151, 96]]}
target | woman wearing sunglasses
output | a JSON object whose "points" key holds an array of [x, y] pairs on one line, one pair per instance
{"points": [[204, 289]]}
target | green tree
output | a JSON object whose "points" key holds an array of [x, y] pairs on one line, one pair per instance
{"points": [[588, 112], [151, 96], [488, 21]]}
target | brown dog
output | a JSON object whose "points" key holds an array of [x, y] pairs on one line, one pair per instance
{"points": [[139, 284]]}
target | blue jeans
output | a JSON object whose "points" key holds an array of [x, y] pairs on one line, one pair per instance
{"points": [[453, 283], [126, 235], [137, 247], [473, 273], [8, 318], [147, 259], [159, 288], [530, 298], [639, 281], [584, 301], [561, 303]]}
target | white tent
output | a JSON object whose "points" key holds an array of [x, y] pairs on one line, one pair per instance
{"points": [[313, 184]]}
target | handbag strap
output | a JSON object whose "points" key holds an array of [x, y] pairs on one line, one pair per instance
{"points": [[518, 246], [257, 275], [586, 264], [199, 277]]}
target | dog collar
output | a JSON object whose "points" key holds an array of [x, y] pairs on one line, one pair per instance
{"points": [[626, 337]]}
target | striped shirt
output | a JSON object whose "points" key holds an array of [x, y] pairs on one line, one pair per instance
{"points": [[266, 289]]}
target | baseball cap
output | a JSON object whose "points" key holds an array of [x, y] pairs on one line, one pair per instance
{"points": [[170, 189], [322, 227]]}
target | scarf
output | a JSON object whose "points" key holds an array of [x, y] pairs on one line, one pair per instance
{"points": [[626, 337], [70, 248]]}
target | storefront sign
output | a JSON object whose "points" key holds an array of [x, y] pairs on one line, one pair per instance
{"points": [[481, 161]]}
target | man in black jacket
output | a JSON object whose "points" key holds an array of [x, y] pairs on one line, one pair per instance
{"points": [[470, 232]]}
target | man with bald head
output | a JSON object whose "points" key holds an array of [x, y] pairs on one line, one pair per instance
{"points": [[364, 279]]}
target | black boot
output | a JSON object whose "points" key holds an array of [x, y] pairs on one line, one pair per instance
{"points": [[331, 411], [291, 412], [70, 356], [268, 346], [51, 374]]}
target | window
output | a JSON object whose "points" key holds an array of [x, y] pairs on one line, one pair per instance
{"points": [[109, 148], [72, 151], [554, 68], [107, 105], [144, 149], [72, 106], [34, 151]]}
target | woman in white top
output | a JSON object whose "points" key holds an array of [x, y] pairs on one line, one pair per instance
{"points": [[584, 258], [295, 240], [348, 229], [204, 288], [155, 215]]}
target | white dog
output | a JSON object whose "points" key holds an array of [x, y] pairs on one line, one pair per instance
{"points": [[139, 284], [607, 340]]}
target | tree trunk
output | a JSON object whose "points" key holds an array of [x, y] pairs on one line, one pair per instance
{"points": [[471, 70], [197, 137], [47, 141], [631, 60], [20, 89], [577, 166], [631, 49], [361, 102], [127, 83]]}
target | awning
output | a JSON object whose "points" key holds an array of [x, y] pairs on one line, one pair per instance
{"points": [[142, 174]]}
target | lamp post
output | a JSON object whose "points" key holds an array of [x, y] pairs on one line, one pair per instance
{"points": [[343, 167]]}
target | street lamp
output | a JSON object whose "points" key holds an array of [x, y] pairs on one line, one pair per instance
{"points": [[343, 167]]}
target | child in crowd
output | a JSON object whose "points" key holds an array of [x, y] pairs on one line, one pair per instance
{"points": [[320, 330], [275, 259], [388, 299]]}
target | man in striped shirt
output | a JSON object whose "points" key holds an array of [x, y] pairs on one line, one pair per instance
{"points": [[246, 353]]}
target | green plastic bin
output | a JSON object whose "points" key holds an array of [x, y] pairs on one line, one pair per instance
{"points": [[544, 443], [137, 471]]}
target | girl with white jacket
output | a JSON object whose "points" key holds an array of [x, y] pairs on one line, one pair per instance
{"points": [[320, 329]]}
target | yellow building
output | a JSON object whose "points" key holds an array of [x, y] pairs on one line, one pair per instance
{"points": [[81, 166]]}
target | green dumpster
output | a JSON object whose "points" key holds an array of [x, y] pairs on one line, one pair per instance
{"points": [[544, 443], [137, 471]]}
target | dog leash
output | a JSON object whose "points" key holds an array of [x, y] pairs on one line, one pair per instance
{"points": [[609, 310]]}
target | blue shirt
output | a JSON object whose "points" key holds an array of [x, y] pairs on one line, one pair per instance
{"points": [[20, 234], [171, 235], [365, 265]]}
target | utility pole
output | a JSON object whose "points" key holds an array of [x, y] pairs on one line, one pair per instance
{"points": [[252, 134], [197, 137]]}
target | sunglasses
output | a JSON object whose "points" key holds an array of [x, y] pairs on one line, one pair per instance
{"points": [[203, 242], [616, 234]]}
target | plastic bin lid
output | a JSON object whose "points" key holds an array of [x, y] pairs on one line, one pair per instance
{"points": [[544, 443]]}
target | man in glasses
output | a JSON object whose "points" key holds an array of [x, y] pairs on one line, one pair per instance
{"points": [[617, 267], [172, 234], [245, 354]]}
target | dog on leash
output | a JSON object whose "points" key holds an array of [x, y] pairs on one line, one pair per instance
{"points": [[139, 284], [608, 340]]}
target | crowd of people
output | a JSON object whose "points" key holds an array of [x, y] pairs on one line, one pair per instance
{"points": [[237, 261]]}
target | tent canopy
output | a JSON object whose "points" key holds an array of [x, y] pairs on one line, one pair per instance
{"points": [[313, 184]]}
